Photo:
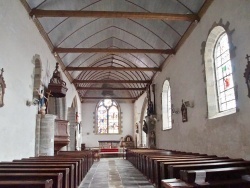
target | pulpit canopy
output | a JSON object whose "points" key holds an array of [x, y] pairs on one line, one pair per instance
{"points": [[57, 86]]}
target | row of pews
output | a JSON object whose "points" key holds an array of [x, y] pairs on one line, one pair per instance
{"points": [[168, 169], [65, 170]]}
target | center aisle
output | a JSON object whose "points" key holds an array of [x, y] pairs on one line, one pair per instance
{"points": [[114, 173]]}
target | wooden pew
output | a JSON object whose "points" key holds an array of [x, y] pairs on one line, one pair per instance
{"points": [[86, 156], [164, 165], [208, 175], [56, 177], [64, 171], [154, 164], [26, 184], [174, 170], [235, 183], [48, 163], [44, 165], [81, 165], [171, 183], [38, 160], [157, 176]]}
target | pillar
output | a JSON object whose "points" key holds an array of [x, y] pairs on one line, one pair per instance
{"points": [[46, 146]]}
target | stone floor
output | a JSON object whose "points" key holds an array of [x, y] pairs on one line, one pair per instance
{"points": [[114, 173]]}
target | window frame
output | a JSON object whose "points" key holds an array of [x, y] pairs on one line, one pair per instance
{"points": [[216, 70], [96, 117], [210, 72], [166, 105]]}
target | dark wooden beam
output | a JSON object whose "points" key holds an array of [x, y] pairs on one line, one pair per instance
{"points": [[113, 81], [110, 88], [113, 68], [131, 98], [113, 50], [107, 14]]}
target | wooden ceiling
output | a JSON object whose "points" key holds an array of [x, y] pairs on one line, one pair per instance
{"points": [[114, 45]]}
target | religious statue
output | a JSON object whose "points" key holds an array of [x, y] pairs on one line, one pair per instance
{"points": [[2, 88], [247, 75], [184, 112], [42, 106], [145, 127]]}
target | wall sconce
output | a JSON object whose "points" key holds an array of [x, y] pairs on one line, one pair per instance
{"points": [[175, 110]]}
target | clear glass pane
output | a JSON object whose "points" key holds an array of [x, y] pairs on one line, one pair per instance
{"points": [[219, 73], [222, 97], [231, 104], [230, 94], [218, 61], [225, 57]]}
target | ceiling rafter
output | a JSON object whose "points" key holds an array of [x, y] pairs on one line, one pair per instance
{"points": [[113, 50], [111, 68], [108, 14], [132, 98], [113, 81], [111, 88]]}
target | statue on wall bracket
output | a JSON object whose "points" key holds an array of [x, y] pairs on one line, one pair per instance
{"points": [[247, 75], [2, 88], [184, 112]]}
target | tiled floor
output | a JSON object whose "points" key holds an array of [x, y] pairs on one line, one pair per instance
{"points": [[114, 173]]}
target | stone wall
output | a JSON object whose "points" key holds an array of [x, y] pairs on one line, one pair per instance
{"points": [[223, 136]]}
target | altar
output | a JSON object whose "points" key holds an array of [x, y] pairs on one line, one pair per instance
{"points": [[109, 143]]}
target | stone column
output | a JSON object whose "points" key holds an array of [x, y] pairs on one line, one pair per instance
{"points": [[151, 137], [72, 131], [47, 135], [37, 142]]}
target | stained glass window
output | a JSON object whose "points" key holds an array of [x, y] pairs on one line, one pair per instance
{"points": [[107, 117], [224, 77], [166, 107]]}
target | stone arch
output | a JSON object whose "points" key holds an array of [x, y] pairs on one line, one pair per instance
{"points": [[166, 106], [211, 88]]}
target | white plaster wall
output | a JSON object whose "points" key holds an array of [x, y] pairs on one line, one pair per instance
{"points": [[225, 136], [91, 139], [20, 42]]}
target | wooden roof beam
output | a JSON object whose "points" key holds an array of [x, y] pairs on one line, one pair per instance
{"points": [[113, 81], [110, 88], [113, 50], [114, 14], [131, 98], [112, 68]]}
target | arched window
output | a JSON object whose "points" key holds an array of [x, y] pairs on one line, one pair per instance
{"points": [[108, 117], [166, 106], [219, 75]]}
